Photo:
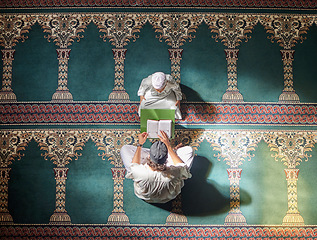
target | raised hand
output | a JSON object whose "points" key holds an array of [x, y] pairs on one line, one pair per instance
{"points": [[142, 137], [175, 158], [164, 138]]}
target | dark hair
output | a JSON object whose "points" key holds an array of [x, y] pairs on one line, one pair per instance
{"points": [[156, 166]]}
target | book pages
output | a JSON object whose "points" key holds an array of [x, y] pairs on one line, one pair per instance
{"points": [[165, 126], [154, 127]]}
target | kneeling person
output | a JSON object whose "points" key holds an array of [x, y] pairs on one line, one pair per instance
{"points": [[159, 172]]}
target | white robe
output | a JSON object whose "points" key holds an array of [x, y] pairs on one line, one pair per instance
{"points": [[163, 100], [155, 186]]}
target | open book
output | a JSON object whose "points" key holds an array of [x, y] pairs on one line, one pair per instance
{"points": [[155, 126]]}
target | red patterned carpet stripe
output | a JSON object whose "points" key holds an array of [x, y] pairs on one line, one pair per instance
{"points": [[127, 113], [161, 232], [161, 3]]}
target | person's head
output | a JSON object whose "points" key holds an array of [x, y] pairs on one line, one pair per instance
{"points": [[159, 81], [158, 156]]}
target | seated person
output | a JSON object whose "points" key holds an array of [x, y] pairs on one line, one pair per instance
{"points": [[159, 172], [160, 91]]}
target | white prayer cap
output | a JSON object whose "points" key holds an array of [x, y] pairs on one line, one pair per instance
{"points": [[158, 80]]}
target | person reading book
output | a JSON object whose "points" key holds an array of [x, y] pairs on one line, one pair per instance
{"points": [[158, 172], [160, 91]]}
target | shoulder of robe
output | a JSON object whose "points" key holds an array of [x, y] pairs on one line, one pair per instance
{"points": [[169, 78]]}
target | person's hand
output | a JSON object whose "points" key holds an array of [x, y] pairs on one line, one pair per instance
{"points": [[142, 137], [164, 138], [142, 98], [175, 158], [178, 103]]}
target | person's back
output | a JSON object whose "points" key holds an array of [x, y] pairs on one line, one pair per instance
{"points": [[159, 172], [158, 186]]}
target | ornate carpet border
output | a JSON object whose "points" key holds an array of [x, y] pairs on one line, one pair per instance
{"points": [[158, 232], [162, 3], [103, 113]]}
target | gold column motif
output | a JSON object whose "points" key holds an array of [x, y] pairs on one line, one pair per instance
{"points": [[293, 216], [6, 92], [288, 95], [235, 216], [175, 28], [118, 92], [177, 216], [110, 143], [119, 28], [60, 214], [287, 30], [231, 30], [5, 216], [193, 139], [61, 147], [234, 148], [232, 93], [62, 92], [63, 29], [291, 148], [118, 215], [176, 57]]}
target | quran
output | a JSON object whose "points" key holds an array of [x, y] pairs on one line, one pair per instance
{"points": [[155, 126], [157, 115]]}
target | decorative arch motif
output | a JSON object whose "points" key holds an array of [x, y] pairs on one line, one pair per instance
{"points": [[119, 28], [175, 28], [191, 138], [231, 30], [234, 148], [287, 30], [188, 137], [110, 143], [63, 29], [291, 148], [61, 147], [12, 143], [12, 29]]}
